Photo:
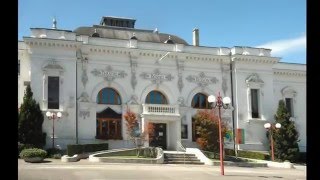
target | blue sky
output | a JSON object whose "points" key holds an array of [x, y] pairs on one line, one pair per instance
{"points": [[276, 24]]}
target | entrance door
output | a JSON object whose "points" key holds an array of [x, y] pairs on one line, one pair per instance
{"points": [[159, 136]]}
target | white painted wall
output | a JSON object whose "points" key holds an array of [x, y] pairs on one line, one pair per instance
{"points": [[101, 53]]}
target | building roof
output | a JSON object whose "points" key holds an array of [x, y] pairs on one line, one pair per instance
{"points": [[126, 33]]}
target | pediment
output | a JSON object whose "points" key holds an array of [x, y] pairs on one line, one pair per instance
{"points": [[254, 79], [108, 113]]}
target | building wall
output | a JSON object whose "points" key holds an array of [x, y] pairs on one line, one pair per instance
{"points": [[132, 67]]}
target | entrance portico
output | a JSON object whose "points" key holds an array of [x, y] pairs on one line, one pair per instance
{"points": [[164, 114]]}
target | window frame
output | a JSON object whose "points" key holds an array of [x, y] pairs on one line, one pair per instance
{"points": [[107, 136], [291, 110], [51, 104], [164, 99], [116, 98], [207, 106], [253, 81], [52, 68], [186, 131]]}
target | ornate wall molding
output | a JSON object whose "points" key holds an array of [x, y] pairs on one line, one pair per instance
{"points": [[134, 80], [202, 80], [180, 66], [84, 97], [254, 80], [109, 74], [156, 77], [84, 114]]}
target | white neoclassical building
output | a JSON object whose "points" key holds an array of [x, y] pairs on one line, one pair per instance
{"points": [[94, 75]]}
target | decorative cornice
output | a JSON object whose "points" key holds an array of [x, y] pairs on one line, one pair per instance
{"points": [[289, 73], [256, 59], [53, 43]]}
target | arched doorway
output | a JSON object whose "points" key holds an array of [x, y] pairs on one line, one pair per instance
{"points": [[108, 121], [158, 134]]}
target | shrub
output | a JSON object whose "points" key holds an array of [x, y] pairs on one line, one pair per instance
{"points": [[302, 157], [287, 137], [23, 146], [53, 151], [30, 120], [73, 149], [207, 126], [56, 156], [229, 152], [33, 152], [253, 155]]}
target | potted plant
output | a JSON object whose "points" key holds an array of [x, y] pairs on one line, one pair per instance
{"points": [[33, 155]]}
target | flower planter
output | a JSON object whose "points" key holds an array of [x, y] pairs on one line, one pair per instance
{"points": [[33, 159]]}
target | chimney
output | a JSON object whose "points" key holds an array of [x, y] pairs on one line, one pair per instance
{"points": [[195, 37]]}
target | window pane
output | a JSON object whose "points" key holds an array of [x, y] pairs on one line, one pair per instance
{"points": [[155, 97], [254, 103], [184, 131], [53, 92], [289, 106], [108, 96], [200, 101]]}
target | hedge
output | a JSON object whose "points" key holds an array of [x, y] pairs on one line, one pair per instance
{"points": [[73, 149], [22, 146], [248, 154], [33, 152]]}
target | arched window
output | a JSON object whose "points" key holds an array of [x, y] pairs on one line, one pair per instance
{"points": [[156, 97], [108, 96], [200, 101]]}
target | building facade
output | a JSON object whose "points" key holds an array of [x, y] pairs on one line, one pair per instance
{"points": [[94, 75]]}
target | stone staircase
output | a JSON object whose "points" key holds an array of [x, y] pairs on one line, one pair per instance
{"points": [[181, 158]]}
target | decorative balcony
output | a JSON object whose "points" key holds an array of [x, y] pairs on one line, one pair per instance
{"points": [[160, 109]]}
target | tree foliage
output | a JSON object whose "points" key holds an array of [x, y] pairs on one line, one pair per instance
{"points": [[286, 138], [30, 119], [207, 127], [134, 133]]}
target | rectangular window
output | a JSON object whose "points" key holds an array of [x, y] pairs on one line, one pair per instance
{"points": [[18, 67], [289, 106], [184, 131], [255, 103], [53, 92]]}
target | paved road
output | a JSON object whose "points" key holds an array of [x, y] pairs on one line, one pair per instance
{"points": [[84, 170]]}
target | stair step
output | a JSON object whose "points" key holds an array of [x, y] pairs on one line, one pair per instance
{"points": [[184, 162], [179, 155], [181, 158]]}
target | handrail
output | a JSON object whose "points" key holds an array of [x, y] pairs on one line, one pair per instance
{"points": [[179, 145]]}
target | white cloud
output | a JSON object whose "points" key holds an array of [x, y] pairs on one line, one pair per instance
{"points": [[285, 46]]}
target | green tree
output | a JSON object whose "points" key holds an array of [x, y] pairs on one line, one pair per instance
{"points": [[286, 138], [30, 119], [207, 126]]}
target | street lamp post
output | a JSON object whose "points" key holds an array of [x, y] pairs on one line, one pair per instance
{"points": [[52, 116], [224, 103], [270, 127]]}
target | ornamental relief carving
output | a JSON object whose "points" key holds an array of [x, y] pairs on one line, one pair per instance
{"points": [[254, 79], [202, 80], [84, 114], [109, 74], [156, 77], [134, 80]]}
